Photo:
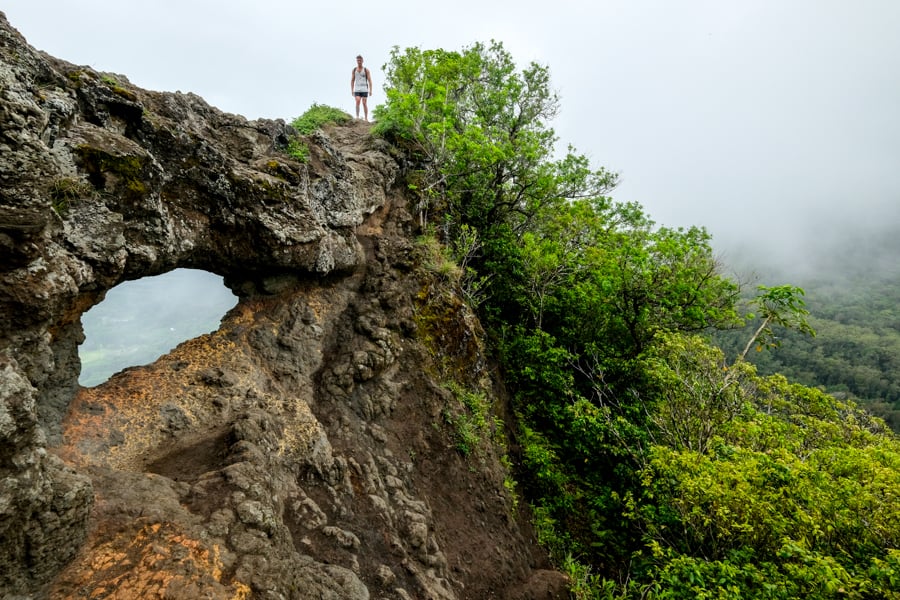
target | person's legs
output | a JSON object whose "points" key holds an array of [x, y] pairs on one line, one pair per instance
{"points": [[365, 108], [357, 106]]}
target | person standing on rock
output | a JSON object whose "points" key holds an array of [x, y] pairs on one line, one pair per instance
{"points": [[361, 86]]}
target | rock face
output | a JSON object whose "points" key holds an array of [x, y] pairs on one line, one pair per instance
{"points": [[303, 450]]}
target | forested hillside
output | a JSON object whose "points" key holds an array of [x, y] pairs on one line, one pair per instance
{"points": [[853, 298], [654, 466]]}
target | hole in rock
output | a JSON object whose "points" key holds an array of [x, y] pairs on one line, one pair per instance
{"points": [[141, 320]]}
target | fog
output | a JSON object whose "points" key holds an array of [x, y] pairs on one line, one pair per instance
{"points": [[141, 320]]}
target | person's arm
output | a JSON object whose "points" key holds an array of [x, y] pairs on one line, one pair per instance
{"points": [[352, 73], [369, 79]]}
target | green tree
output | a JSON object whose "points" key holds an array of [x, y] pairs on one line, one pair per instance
{"points": [[780, 305], [479, 127]]}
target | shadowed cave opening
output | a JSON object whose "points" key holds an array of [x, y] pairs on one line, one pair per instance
{"points": [[139, 321]]}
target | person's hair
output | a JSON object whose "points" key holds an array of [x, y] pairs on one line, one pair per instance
{"points": [[359, 56]]}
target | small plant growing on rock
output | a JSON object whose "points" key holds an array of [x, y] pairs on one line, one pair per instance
{"points": [[297, 149], [437, 259], [65, 191], [116, 86], [314, 118], [471, 419]]}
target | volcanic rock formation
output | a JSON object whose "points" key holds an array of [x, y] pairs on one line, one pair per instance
{"points": [[305, 449]]}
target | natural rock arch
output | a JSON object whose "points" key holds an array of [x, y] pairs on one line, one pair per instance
{"points": [[103, 182], [296, 450]]}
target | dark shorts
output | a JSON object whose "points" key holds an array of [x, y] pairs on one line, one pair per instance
{"points": [[361, 94]]}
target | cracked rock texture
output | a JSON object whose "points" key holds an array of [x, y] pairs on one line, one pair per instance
{"points": [[304, 449]]}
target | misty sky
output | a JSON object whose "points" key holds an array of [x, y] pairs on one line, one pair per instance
{"points": [[774, 123]]}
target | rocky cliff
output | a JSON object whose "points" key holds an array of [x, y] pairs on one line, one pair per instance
{"points": [[306, 449]]}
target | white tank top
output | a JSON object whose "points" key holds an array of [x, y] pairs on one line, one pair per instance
{"points": [[360, 84]]}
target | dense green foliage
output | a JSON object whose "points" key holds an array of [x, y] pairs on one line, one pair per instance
{"points": [[479, 128], [654, 467]]}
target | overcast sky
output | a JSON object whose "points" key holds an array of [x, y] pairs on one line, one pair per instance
{"points": [[773, 123]]}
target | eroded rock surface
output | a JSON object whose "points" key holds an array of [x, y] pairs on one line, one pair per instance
{"points": [[303, 449]]}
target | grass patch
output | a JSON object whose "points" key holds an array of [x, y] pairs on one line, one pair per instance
{"points": [[65, 191], [437, 259], [471, 421]]}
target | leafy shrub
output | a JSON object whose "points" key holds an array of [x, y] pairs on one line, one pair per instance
{"points": [[297, 149], [316, 116], [470, 418]]}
